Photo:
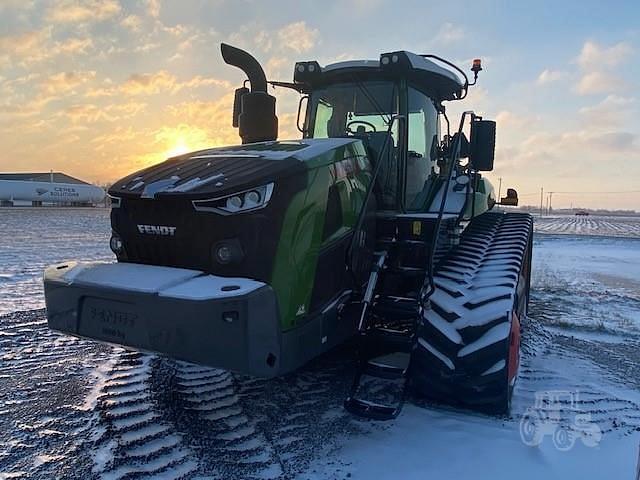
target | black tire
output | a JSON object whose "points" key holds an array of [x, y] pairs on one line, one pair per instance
{"points": [[468, 341]]}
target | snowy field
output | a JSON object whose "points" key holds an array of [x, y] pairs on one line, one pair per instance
{"points": [[74, 409], [33, 238], [626, 227]]}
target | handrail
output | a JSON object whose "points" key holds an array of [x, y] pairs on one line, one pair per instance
{"points": [[374, 176], [454, 157]]}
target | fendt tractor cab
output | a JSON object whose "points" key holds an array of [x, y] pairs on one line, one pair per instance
{"points": [[261, 256]]}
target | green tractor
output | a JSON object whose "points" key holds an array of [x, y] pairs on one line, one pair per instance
{"points": [[376, 224]]}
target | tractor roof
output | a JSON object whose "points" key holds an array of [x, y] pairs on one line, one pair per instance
{"points": [[422, 73]]}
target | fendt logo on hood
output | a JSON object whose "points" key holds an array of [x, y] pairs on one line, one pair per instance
{"points": [[157, 230]]}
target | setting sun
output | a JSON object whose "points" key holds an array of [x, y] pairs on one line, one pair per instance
{"points": [[178, 149]]}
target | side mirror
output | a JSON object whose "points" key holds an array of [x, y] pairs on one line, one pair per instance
{"points": [[511, 200], [483, 145]]}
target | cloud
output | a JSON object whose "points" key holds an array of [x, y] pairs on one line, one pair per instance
{"points": [[449, 33], [215, 116], [16, 5], [297, 37], [597, 56], [65, 81], [132, 22], [86, 113], [72, 46], [90, 113], [194, 136], [613, 110], [512, 122], [153, 8], [599, 82], [550, 76], [50, 88], [597, 62], [277, 66], [148, 83], [545, 147], [264, 40], [126, 109], [73, 11], [615, 141], [24, 45], [151, 83], [36, 46], [216, 112]]}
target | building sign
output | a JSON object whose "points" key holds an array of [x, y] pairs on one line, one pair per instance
{"points": [[64, 192]]}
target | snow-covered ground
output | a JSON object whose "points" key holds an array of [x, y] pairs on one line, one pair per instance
{"points": [[74, 409], [626, 227], [33, 238]]}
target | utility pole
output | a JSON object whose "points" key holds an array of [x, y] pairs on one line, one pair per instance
{"points": [[547, 204], [541, 199], [550, 199], [499, 187]]}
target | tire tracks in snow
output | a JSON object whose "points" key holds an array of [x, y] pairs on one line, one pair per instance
{"points": [[593, 371], [151, 417], [245, 427], [44, 383], [133, 439], [80, 409]]}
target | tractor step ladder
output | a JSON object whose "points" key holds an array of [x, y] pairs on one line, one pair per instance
{"points": [[386, 336]]}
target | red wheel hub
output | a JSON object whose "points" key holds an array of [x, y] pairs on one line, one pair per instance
{"points": [[514, 348]]}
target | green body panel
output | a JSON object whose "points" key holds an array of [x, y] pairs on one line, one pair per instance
{"points": [[302, 231]]}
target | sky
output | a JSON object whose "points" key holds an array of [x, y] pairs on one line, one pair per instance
{"points": [[100, 88]]}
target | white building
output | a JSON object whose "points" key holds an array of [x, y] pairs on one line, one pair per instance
{"points": [[47, 188]]}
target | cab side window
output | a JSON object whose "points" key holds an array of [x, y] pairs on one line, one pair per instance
{"points": [[423, 142]]}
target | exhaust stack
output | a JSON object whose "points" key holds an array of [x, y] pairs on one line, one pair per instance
{"points": [[254, 112]]}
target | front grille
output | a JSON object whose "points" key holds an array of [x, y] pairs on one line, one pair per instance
{"points": [[196, 234], [186, 248]]}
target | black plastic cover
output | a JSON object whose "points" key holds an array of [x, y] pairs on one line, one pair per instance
{"points": [[257, 121]]}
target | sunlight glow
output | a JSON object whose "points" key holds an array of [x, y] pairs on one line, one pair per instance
{"points": [[179, 148]]}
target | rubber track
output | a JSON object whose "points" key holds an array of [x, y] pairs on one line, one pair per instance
{"points": [[463, 339]]}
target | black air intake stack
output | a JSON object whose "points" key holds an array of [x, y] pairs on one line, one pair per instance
{"points": [[254, 112]]}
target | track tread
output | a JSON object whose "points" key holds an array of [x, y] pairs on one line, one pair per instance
{"points": [[468, 324]]}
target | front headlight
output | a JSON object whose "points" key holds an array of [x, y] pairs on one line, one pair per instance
{"points": [[114, 202], [245, 201], [116, 245]]}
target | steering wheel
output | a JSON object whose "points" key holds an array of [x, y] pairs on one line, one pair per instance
{"points": [[362, 122]]}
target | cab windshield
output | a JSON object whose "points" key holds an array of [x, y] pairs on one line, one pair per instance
{"points": [[364, 110], [345, 109]]}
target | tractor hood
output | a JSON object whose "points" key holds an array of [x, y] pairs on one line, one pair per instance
{"points": [[224, 170]]}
